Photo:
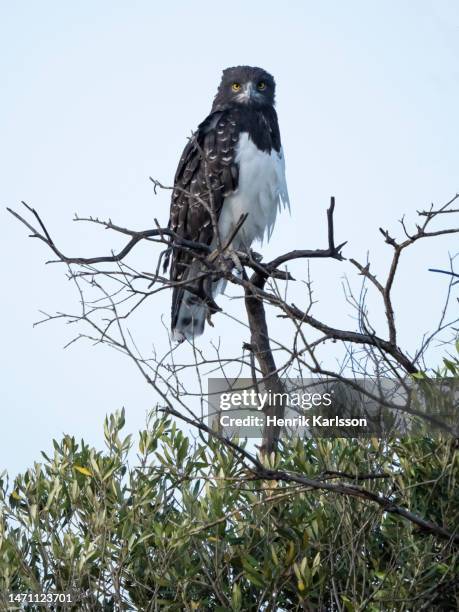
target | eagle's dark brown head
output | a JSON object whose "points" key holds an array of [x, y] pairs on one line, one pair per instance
{"points": [[245, 85]]}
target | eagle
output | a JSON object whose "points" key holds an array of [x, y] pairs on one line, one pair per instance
{"points": [[233, 165]]}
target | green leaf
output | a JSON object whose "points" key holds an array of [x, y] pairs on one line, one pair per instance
{"points": [[82, 470]]}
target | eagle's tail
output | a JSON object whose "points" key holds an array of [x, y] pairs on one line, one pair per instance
{"points": [[192, 305], [189, 314]]}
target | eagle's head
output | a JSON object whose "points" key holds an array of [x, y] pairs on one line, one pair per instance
{"points": [[245, 85]]}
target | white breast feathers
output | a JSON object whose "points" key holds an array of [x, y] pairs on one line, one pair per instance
{"points": [[262, 190]]}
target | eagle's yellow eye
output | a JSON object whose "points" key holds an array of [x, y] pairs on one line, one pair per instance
{"points": [[236, 87], [261, 85]]}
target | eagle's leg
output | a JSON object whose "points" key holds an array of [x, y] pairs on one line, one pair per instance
{"points": [[235, 258], [248, 252], [228, 253]]}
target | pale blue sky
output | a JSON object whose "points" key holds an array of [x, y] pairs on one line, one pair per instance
{"points": [[98, 95]]}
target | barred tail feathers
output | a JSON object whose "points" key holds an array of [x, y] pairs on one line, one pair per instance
{"points": [[189, 314]]}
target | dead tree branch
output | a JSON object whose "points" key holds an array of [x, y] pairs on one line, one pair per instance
{"points": [[163, 376]]}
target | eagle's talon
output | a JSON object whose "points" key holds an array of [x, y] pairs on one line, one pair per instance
{"points": [[235, 259], [229, 254]]}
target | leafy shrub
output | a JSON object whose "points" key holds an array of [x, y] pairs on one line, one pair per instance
{"points": [[188, 527]]}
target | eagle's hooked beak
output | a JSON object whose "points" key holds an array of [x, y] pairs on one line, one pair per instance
{"points": [[247, 93]]}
